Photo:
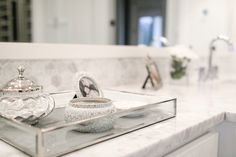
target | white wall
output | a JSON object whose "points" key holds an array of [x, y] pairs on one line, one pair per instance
{"points": [[232, 20], [172, 21], [74, 21], [188, 25], [38, 23]]}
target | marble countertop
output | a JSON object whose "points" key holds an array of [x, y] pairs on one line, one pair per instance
{"points": [[199, 109]]}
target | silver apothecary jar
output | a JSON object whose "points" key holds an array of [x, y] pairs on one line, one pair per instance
{"points": [[23, 100]]}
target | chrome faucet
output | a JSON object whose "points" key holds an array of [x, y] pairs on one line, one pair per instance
{"points": [[212, 71]]}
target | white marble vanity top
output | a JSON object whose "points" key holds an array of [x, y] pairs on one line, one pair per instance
{"points": [[199, 109]]}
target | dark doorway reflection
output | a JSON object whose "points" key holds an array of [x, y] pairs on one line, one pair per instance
{"points": [[141, 22]]}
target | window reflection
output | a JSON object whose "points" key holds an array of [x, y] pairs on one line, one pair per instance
{"points": [[150, 30]]}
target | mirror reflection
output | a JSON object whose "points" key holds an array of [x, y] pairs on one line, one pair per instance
{"points": [[124, 22]]}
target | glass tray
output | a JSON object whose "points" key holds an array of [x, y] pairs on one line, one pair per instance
{"points": [[52, 136]]}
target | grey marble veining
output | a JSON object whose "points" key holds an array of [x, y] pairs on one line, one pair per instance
{"points": [[57, 75]]}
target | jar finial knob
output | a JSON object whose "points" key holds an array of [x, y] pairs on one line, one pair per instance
{"points": [[21, 70]]}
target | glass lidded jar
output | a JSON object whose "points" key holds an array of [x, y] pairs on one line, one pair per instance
{"points": [[21, 99]]}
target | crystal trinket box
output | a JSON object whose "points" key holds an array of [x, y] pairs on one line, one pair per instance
{"points": [[87, 108], [23, 100], [89, 102]]}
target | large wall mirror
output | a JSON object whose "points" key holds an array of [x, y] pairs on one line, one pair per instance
{"points": [[123, 22]]}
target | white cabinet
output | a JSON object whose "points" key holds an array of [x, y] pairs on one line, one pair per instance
{"points": [[204, 146], [227, 139]]}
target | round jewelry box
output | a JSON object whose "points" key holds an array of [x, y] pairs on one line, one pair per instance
{"points": [[87, 108]]}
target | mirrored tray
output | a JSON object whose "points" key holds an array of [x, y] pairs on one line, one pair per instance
{"points": [[52, 136]]}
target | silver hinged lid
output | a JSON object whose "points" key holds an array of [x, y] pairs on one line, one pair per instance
{"points": [[21, 84]]}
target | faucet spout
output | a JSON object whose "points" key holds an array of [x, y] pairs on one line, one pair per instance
{"points": [[212, 71]]}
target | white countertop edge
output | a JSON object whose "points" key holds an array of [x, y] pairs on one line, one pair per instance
{"points": [[168, 144], [230, 117]]}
